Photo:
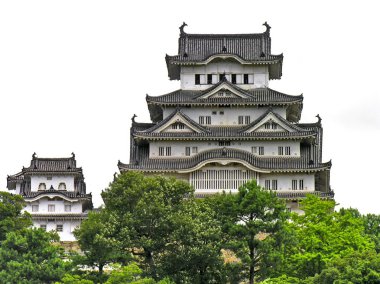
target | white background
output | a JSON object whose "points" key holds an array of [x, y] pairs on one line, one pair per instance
{"points": [[72, 74]]}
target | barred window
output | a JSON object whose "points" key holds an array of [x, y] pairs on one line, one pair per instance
{"points": [[187, 151], [168, 151], [247, 119], [261, 150], [274, 184], [43, 227], [280, 150], [51, 208], [241, 119], [195, 150], [161, 151], [267, 184], [287, 150], [294, 184], [301, 184], [254, 149], [224, 143], [59, 228], [34, 208]]}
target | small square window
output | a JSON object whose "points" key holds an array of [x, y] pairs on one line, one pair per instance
{"points": [[221, 112], [214, 112], [59, 228], [187, 151], [195, 150], [34, 208], [51, 208], [43, 227], [68, 208]]}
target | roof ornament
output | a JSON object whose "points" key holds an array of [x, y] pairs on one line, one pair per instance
{"points": [[224, 151], [268, 27], [51, 187], [34, 155], [114, 176], [72, 155], [182, 32], [319, 118], [133, 118]]}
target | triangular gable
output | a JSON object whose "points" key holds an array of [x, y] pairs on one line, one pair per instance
{"points": [[270, 122], [224, 90], [178, 123]]}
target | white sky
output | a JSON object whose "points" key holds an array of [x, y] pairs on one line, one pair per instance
{"points": [[72, 74]]}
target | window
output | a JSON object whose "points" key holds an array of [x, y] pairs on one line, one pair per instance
{"points": [[294, 184], [274, 125], [287, 150], [241, 119], [267, 184], [197, 79], [209, 79], [221, 112], [274, 184], [224, 143], [62, 186], [195, 150], [51, 208], [67, 208], [280, 150], [42, 186], [161, 151], [205, 120], [247, 119], [187, 151], [34, 208], [59, 228], [267, 125], [221, 76], [43, 227], [245, 78], [254, 150], [261, 150], [214, 112], [49, 177], [168, 151], [178, 125], [233, 78], [301, 184]]}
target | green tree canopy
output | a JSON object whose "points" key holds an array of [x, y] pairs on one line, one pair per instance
{"points": [[29, 256]]}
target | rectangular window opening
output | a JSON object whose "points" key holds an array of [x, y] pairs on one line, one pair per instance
{"points": [[233, 78], [187, 151], [197, 79], [209, 79]]}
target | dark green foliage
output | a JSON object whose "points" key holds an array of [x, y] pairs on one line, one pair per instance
{"points": [[28, 256], [11, 217], [252, 220]]}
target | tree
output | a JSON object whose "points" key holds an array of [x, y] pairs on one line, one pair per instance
{"points": [[11, 216], [29, 256], [193, 253], [254, 217], [142, 207], [323, 236], [95, 237]]}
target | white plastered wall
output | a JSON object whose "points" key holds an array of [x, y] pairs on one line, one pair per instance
{"points": [[260, 74], [178, 147], [54, 181], [230, 114], [284, 181]]}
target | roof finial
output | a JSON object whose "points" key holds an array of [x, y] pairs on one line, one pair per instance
{"points": [[268, 27], [72, 155], [133, 118], [319, 118], [34, 155], [182, 32]]}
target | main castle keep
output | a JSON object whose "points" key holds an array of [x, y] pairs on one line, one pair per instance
{"points": [[225, 126]]}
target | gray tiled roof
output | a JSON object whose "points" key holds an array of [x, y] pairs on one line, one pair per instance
{"points": [[265, 163], [49, 165], [68, 194], [250, 48], [226, 132], [254, 97]]}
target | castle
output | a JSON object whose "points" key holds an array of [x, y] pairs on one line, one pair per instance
{"points": [[225, 126]]}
